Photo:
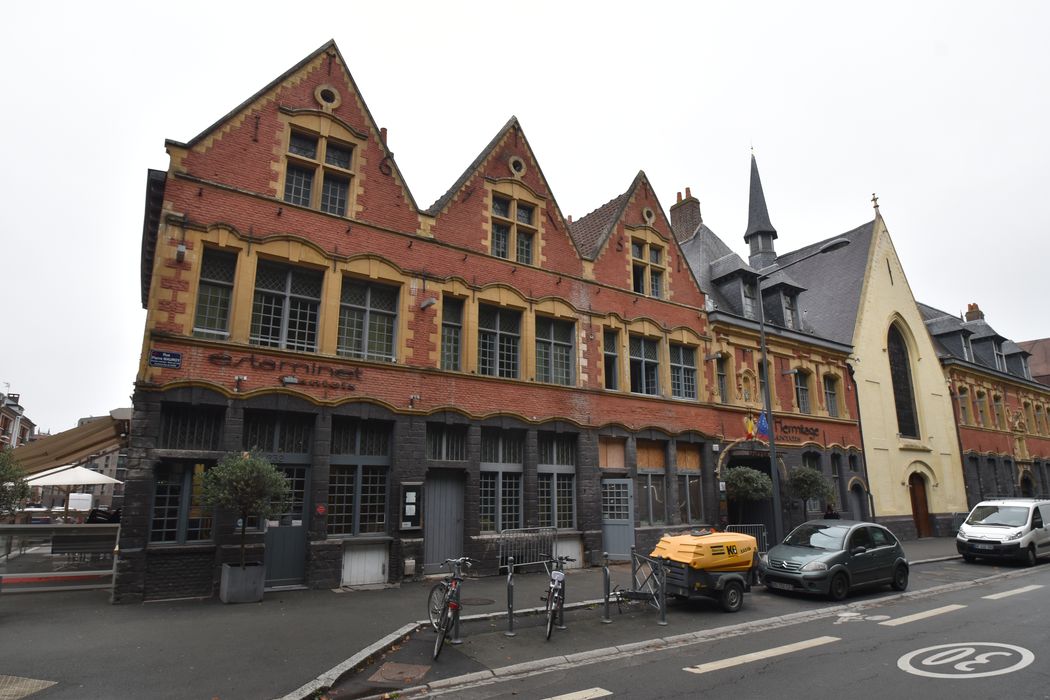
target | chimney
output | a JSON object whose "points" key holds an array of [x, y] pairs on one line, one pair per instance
{"points": [[974, 313], [685, 216]]}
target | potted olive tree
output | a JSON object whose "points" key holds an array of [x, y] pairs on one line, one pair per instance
{"points": [[247, 484], [806, 483]]}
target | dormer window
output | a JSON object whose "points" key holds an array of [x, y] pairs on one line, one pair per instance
{"points": [[1000, 358], [789, 311], [513, 229], [749, 300], [967, 349], [647, 274], [314, 159]]}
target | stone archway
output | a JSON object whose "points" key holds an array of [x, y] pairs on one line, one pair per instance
{"points": [[1027, 485], [920, 508]]}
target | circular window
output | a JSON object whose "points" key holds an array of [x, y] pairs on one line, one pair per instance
{"points": [[327, 96], [649, 215], [517, 166]]}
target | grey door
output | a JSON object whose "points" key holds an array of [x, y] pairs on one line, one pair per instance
{"points": [[286, 541], [618, 517], [442, 518]]}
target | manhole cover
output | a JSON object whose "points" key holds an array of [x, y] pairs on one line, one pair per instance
{"points": [[392, 672], [476, 601]]}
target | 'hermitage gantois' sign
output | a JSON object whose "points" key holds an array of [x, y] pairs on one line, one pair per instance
{"points": [[795, 432], [304, 373]]}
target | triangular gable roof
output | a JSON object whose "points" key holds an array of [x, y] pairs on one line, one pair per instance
{"points": [[328, 46], [593, 229], [512, 125]]}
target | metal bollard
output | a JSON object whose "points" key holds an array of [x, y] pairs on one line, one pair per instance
{"points": [[663, 595], [455, 629], [634, 570], [605, 587], [561, 608], [510, 598]]}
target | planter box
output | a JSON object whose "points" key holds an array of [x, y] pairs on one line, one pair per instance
{"points": [[242, 585]]}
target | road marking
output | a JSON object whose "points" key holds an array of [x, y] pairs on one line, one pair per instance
{"points": [[1007, 594], [760, 655], [588, 694], [922, 615], [966, 660]]}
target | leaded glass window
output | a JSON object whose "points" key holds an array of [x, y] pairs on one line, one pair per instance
{"points": [[451, 334], [214, 293], [610, 353], [498, 341], [683, 371], [554, 351], [903, 395], [645, 365], [285, 308], [367, 320], [357, 487]]}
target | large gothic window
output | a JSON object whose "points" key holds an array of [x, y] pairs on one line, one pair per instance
{"points": [[903, 396]]}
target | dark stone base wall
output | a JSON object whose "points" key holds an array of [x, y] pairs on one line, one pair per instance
{"points": [[324, 564], [904, 527], [180, 573]]}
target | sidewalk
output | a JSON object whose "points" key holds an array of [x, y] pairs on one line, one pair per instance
{"points": [[277, 648]]}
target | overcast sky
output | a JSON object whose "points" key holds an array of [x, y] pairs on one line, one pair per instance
{"points": [[943, 109]]}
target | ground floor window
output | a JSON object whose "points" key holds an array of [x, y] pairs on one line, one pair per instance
{"points": [[557, 500], [651, 499], [499, 500], [689, 498], [179, 515], [357, 500]]}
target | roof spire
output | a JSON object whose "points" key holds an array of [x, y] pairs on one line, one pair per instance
{"points": [[760, 232], [757, 214]]}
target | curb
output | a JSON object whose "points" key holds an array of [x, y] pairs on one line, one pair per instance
{"points": [[332, 676]]}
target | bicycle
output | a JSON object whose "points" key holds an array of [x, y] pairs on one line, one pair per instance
{"points": [[443, 601], [556, 592]]}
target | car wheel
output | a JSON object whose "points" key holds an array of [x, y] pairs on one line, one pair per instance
{"points": [[900, 578], [732, 596], [1029, 556], [839, 587], [969, 558]]}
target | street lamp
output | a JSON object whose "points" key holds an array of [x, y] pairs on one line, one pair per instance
{"points": [[774, 473]]}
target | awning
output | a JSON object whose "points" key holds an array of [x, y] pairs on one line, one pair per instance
{"points": [[70, 476], [75, 444]]}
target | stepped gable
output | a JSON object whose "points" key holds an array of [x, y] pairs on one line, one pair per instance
{"points": [[245, 149], [604, 237], [507, 165]]}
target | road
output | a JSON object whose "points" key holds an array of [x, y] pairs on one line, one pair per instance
{"points": [[981, 640]]}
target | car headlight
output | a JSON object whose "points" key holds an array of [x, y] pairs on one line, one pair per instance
{"points": [[1014, 535], [961, 536], [815, 566]]}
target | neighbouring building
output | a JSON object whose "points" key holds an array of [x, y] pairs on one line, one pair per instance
{"points": [[1003, 414], [16, 429], [428, 378], [1038, 359]]}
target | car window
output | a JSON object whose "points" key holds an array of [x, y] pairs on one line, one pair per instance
{"points": [[998, 516], [817, 536], [861, 537], [879, 537], [1037, 518], [1045, 511]]}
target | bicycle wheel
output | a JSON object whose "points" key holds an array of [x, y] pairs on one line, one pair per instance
{"points": [[442, 630], [436, 602], [552, 610]]}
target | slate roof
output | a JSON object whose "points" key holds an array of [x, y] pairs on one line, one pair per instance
{"points": [[981, 330], [710, 259], [832, 282], [941, 323]]}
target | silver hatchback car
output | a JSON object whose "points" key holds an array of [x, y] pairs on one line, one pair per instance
{"points": [[832, 557]]}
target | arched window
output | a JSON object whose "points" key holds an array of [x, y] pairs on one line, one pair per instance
{"points": [[964, 405], [900, 372]]}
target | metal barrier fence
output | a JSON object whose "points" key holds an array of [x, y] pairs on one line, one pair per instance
{"points": [[528, 545], [757, 530], [56, 557]]}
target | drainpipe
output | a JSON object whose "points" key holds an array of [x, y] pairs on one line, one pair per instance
{"points": [[863, 451]]}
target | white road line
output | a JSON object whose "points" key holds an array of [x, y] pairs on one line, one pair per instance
{"points": [[759, 655], [1007, 594], [588, 694], [922, 615]]}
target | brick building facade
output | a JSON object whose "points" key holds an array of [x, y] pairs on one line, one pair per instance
{"points": [[427, 378]]}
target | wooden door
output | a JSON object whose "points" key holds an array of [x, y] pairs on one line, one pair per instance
{"points": [[919, 509]]}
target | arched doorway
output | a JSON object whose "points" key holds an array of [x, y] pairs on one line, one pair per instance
{"points": [[856, 502], [920, 510], [1027, 487]]}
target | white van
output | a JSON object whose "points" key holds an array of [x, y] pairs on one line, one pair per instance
{"points": [[1007, 528]]}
